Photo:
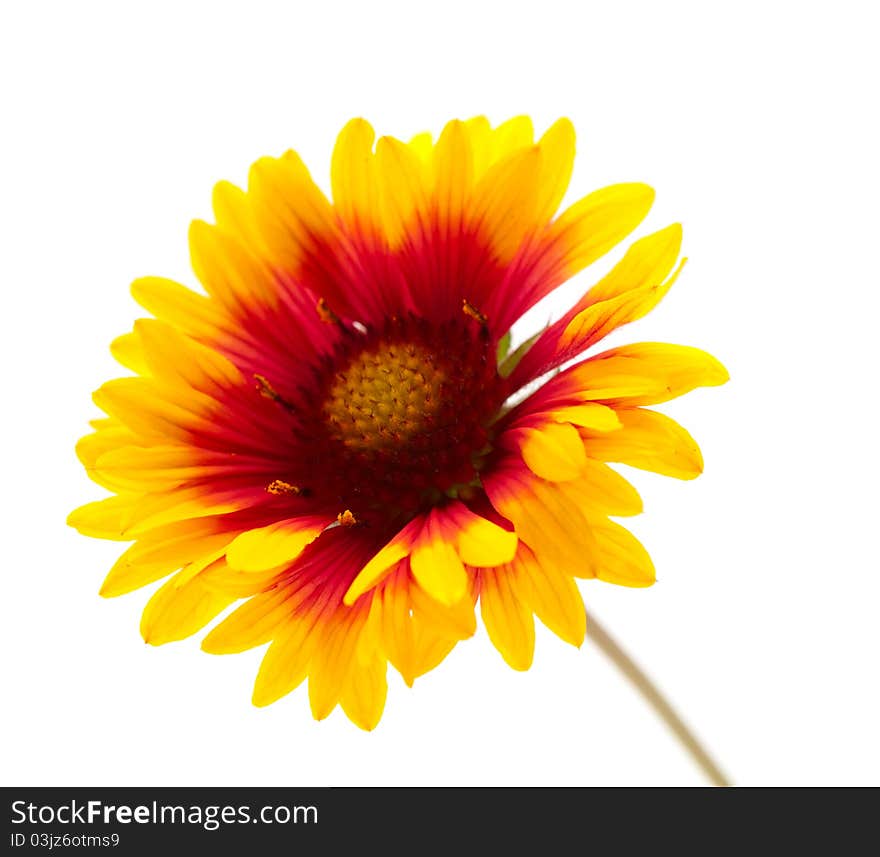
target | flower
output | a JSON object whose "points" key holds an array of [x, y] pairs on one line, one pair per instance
{"points": [[338, 433]]}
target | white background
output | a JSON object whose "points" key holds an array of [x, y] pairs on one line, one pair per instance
{"points": [[755, 122]]}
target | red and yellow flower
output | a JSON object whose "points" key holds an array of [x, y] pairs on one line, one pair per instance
{"points": [[335, 430]]}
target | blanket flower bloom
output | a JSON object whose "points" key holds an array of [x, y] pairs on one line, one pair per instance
{"points": [[337, 432]]}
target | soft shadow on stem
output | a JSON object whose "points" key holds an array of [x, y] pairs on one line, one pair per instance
{"points": [[610, 648]]}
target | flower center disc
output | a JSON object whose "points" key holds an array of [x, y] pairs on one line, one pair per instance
{"points": [[400, 417], [387, 396]]}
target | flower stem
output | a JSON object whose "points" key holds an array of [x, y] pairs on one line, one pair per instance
{"points": [[649, 691]]}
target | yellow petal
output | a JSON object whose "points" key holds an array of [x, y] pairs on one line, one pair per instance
{"points": [[285, 664], [622, 558], [289, 208], [553, 451], [422, 146], [332, 664], [508, 620], [416, 632], [128, 350], [600, 488], [611, 383], [453, 175], [104, 519], [273, 545], [176, 611], [510, 136], [646, 264], [600, 319], [229, 271], [650, 441], [554, 597], [557, 162], [202, 568], [505, 202], [233, 214], [430, 649], [544, 517], [177, 359], [363, 694], [353, 175], [596, 417], [595, 224], [144, 468], [482, 543], [647, 373], [179, 306], [257, 621], [92, 447], [392, 605], [160, 553], [403, 186], [128, 516], [146, 409], [240, 584], [384, 562], [630, 290], [370, 642], [481, 136], [436, 565], [457, 621], [155, 510]]}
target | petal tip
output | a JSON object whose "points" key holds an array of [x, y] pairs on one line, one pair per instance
{"points": [[107, 590]]}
